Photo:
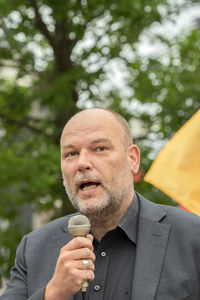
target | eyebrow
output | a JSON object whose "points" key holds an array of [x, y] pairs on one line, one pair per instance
{"points": [[97, 141], [68, 146], [102, 140]]}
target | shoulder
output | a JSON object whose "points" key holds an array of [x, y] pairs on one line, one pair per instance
{"points": [[41, 241], [175, 217], [185, 223], [183, 226], [51, 229], [184, 231]]}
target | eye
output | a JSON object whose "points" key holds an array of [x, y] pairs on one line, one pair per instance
{"points": [[100, 148], [70, 154]]}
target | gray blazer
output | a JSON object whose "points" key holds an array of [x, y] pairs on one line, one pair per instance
{"points": [[167, 263]]}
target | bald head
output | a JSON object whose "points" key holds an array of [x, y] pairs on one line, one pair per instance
{"points": [[91, 115]]}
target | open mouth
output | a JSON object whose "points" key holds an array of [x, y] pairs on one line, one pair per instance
{"points": [[88, 185]]}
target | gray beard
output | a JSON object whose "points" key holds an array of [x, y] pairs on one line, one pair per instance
{"points": [[110, 204], [99, 214]]}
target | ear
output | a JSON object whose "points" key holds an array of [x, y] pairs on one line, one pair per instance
{"points": [[134, 158]]}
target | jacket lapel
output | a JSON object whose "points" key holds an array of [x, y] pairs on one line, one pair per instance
{"points": [[150, 250]]}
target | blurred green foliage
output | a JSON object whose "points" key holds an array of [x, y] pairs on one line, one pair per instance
{"points": [[56, 57]]}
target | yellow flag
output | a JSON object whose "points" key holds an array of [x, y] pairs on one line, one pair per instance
{"points": [[176, 170]]}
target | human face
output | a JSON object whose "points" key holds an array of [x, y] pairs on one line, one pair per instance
{"points": [[96, 166]]}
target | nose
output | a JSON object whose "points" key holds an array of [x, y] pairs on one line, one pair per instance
{"points": [[84, 162]]}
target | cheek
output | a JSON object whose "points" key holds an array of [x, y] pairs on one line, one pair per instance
{"points": [[67, 169], [113, 170], [69, 173]]}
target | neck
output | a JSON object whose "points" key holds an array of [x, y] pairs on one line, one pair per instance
{"points": [[101, 225], [98, 230]]}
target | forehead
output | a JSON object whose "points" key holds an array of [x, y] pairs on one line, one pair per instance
{"points": [[92, 124]]}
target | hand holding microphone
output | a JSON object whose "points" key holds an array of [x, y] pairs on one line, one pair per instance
{"points": [[80, 226], [75, 264]]}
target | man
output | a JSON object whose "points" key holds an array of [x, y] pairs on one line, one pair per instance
{"points": [[137, 250]]}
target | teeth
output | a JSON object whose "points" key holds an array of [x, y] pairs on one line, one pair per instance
{"points": [[85, 188]]}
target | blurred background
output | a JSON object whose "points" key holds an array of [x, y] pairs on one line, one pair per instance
{"points": [[139, 58]]}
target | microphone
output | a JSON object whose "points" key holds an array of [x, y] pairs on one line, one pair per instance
{"points": [[79, 226]]}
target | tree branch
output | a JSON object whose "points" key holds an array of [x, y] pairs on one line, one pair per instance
{"points": [[24, 123], [40, 24]]}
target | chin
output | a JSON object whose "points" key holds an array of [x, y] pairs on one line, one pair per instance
{"points": [[92, 206], [89, 208], [97, 212]]}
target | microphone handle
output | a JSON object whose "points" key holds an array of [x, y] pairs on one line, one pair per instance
{"points": [[84, 286], [85, 282]]}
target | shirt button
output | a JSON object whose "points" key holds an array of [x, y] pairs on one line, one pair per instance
{"points": [[103, 253], [97, 287]]}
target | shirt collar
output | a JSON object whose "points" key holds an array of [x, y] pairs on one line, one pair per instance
{"points": [[129, 221]]}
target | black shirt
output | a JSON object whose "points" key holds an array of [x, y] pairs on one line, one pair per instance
{"points": [[115, 260]]}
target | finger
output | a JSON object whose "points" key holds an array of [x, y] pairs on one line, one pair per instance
{"points": [[85, 275], [77, 243], [88, 266], [90, 237], [77, 254], [80, 265]]}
